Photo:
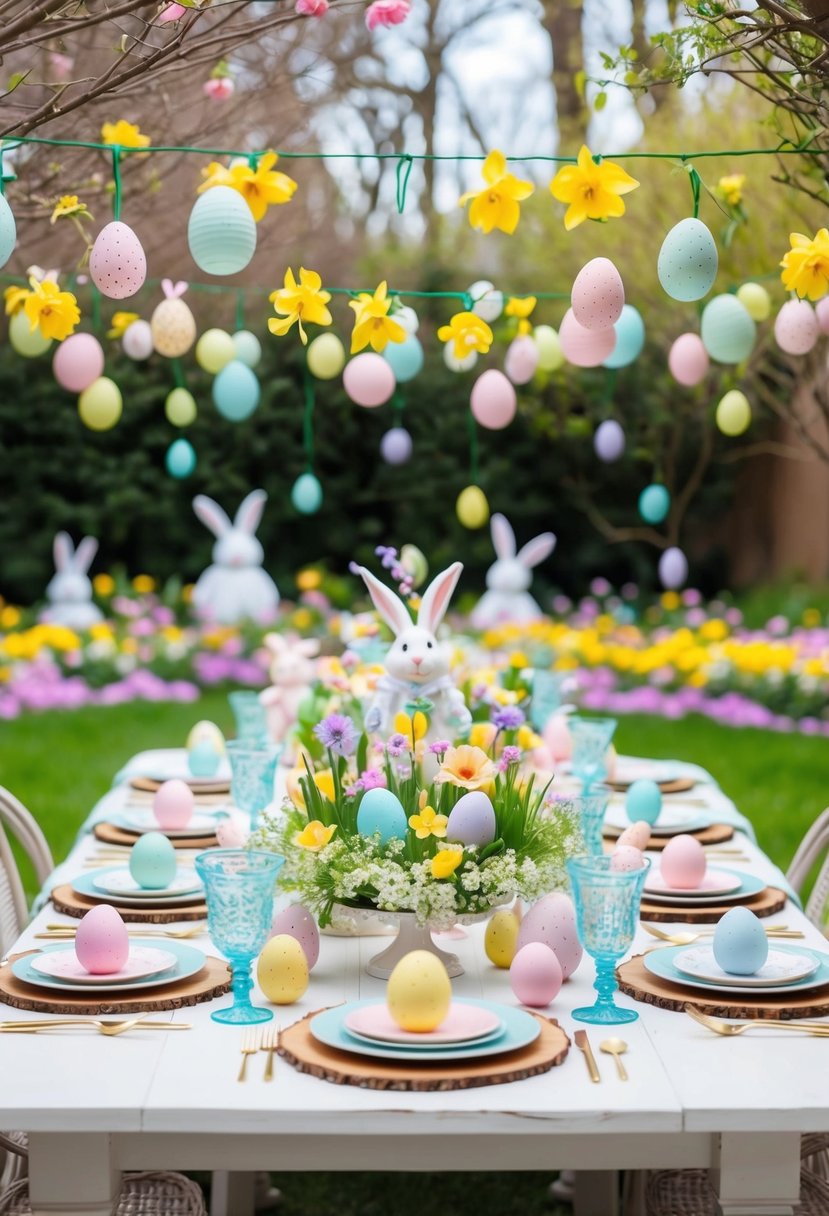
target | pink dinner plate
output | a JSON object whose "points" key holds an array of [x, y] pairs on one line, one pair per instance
{"points": [[715, 882], [143, 961], [463, 1024]]}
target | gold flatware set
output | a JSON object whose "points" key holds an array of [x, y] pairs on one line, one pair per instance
{"points": [[254, 1040], [111, 1029], [819, 1030], [62, 933], [686, 938]]}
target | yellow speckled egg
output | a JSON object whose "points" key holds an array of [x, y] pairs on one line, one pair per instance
{"points": [[173, 328], [419, 991], [501, 938], [282, 970]]}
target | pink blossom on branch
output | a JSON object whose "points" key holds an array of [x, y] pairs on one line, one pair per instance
{"points": [[173, 12], [219, 88], [387, 12], [311, 8]]}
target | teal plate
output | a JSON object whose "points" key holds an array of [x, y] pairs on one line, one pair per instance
{"points": [[189, 961], [520, 1029], [661, 963], [84, 884]]}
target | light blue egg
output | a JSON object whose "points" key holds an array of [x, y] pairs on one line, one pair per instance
{"points": [[202, 759], [248, 347], [306, 494], [180, 459], [381, 811], [8, 231], [472, 820], [404, 358], [687, 263], [153, 861], [221, 231], [740, 943], [727, 331], [643, 801], [630, 338], [654, 503], [236, 391]]}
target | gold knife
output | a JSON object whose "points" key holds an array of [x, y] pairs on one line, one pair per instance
{"points": [[583, 1044]]}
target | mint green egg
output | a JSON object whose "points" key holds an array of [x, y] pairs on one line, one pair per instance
{"points": [[153, 861], [221, 231], [727, 331], [8, 231]]}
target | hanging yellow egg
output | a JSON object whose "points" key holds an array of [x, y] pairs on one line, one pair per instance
{"points": [[472, 507], [101, 404]]}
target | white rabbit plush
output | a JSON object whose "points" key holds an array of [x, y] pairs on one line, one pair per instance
{"points": [[235, 587], [417, 664], [292, 671], [69, 591], [508, 580]]}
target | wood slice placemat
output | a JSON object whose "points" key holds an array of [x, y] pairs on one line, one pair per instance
{"points": [[111, 834], [680, 785], [149, 785], [714, 833], [765, 903], [298, 1046], [213, 980], [637, 982], [72, 904]]}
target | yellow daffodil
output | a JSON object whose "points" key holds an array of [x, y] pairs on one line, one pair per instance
{"points": [[470, 768], [15, 298], [428, 823], [315, 835], [518, 659], [308, 580], [806, 265], [324, 781], [54, 312], [413, 728], [120, 323], [521, 307], [261, 187], [496, 206], [69, 205], [446, 862], [730, 188], [143, 584], [482, 734], [466, 332], [297, 302], [103, 584], [527, 739], [123, 135], [372, 324], [592, 191], [9, 617]]}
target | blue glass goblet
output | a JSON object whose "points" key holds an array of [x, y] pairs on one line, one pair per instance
{"points": [[591, 738], [587, 812], [249, 712], [253, 768], [607, 909], [239, 889]]}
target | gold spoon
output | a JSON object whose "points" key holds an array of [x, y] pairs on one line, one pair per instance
{"points": [[616, 1048]]}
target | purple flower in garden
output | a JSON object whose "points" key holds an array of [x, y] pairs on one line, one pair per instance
{"points": [[691, 598], [561, 604], [510, 717], [372, 779], [629, 591], [509, 756], [337, 733], [733, 617], [600, 587], [397, 745], [387, 555], [439, 747]]}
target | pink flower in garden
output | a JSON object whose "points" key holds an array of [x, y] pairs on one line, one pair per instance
{"points": [[311, 8], [372, 779], [61, 65], [218, 88], [387, 12]]}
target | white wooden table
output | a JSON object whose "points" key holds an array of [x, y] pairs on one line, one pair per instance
{"points": [[95, 1106]]}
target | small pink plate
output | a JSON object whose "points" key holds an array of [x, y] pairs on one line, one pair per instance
{"points": [[715, 882], [463, 1024], [143, 961]]}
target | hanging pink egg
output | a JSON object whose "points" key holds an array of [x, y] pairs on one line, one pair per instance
{"points": [[822, 314], [369, 380], [796, 327], [688, 360], [117, 263], [585, 347], [598, 295], [521, 359], [78, 361], [493, 400]]}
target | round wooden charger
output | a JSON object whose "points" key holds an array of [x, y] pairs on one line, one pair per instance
{"points": [[765, 903], [637, 982], [714, 833], [680, 785], [148, 785], [298, 1046], [111, 834], [213, 980], [72, 904]]}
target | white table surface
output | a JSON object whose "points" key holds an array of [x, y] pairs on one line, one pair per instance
{"points": [[156, 1100]]}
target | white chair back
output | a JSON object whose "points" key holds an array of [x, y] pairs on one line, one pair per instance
{"points": [[13, 910], [813, 846]]}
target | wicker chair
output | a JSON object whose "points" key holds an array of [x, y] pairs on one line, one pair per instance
{"points": [[813, 846], [147, 1194]]}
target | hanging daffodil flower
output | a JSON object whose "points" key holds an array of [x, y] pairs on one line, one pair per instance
{"points": [[466, 332], [521, 307], [730, 188], [15, 298], [297, 302], [123, 134], [806, 265], [261, 187], [120, 323], [69, 206], [54, 312], [496, 206], [372, 324], [593, 191]]}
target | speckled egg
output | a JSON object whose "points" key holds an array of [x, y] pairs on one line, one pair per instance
{"points": [[472, 820], [638, 835], [137, 342], [625, 859], [683, 863], [740, 943], [297, 922], [101, 942], [233, 830], [501, 938], [688, 360], [796, 327], [117, 262], [282, 970], [585, 347], [822, 314], [173, 327], [419, 991], [687, 263], [598, 295], [521, 359], [153, 861], [173, 804], [643, 800], [552, 920], [381, 811], [8, 231], [536, 975], [728, 332]]}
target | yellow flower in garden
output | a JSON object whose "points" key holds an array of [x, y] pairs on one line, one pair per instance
{"points": [[670, 601], [730, 188], [261, 187], [372, 324], [143, 584], [811, 618], [593, 191], [413, 728], [129, 645], [496, 206], [324, 781], [806, 265], [15, 298], [302, 618], [187, 592], [521, 307], [69, 205], [101, 631], [315, 835], [482, 734], [120, 323], [428, 823], [518, 660], [467, 767], [446, 862], [123, 135], [466, 332], [5, 674], [527, 739], [54, 312], [9, 617], [298, 302], [308, 580], [172, 633], [714, 630]]}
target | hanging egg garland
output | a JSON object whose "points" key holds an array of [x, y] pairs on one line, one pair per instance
{"points": [[407, 317], [755, 300], [728, 332], [609, 441], [396, 446], [8, 231], [180, 459], [733, 414], [521, 360], [654, 503], [550, 357], [688, 261], [472, 507], [26, 341], [100, 405], [236, 391], [585, 347], [459, 365], [404, 358], [214, 350], [172, 323], [326, 356], [221, 231], [117, 262], [137, 342], [369, 380], [492, 400], [78, 360], [630, 339], [822, 314], [247, 347], [796, 328], [180, 407], [487, 301], [688, 360], [673, 569], [598, 295], [306, 494]]}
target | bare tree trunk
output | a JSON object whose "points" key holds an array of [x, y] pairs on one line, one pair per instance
{"points": [[563, 22]]}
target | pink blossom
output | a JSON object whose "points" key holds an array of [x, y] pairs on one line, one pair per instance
{"points": [[311, 8], [372, 779], [386, 12], [218, 88], [61, 65], [173, 12]]}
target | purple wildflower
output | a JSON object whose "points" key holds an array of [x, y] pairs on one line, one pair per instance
{"points": [[439, 747], [509, 756], [337, 733], [372, 779], [397, 745], [510, 717]]}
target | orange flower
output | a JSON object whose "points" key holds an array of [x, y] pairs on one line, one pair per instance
{"points": [[467, 767]]}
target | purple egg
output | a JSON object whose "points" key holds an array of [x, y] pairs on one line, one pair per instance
{"points": [[396, 446], [673, 568], [609, 441]]}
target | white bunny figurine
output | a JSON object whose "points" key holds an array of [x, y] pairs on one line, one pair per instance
{"points": [[417, 664], [508, 580], [293, 672], [69, 591], [235, 587]]}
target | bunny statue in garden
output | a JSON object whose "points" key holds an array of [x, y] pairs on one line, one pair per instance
{"points": [[417, 665], [292, 671], [69, 591], [508, 580], [235, 587]]}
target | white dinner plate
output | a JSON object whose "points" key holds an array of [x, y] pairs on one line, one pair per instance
{"points": [[143, 962], [715, 882], [661, 963], [464, 1023], [121, 882], [84, 884], [141, 820], [780, 969], [750, 884], [672, 821], [628, 771], [189, 960]]}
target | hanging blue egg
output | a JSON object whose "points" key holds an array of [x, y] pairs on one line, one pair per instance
{"points": [[630, 338], [236, 391], [180, 459], [727, 331], [654, 503], [221, 231], [306, 494], [405, 358], [8, 231]]}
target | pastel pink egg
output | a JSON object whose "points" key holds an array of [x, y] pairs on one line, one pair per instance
{"points": [[369, 380], [297, 922], [78, 361], [535, 975], [552, 920], [492, 400], [101, 941], [521, 360], [796, 327], [233, 831], [683, 863], [556, 735], [688, 360], [117, 263], [625, 859], [638, 835], [822, 314], [584, 347], [173, 804], [598, 295]]}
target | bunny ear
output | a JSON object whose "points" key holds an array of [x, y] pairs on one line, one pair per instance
{"points": [[63, 551], [391, 608], [250, 511], [274, 642], [503, 537], [437, 595], [85, 553], [537, 549], [211, 515]]}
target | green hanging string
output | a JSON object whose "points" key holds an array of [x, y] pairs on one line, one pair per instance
{"points": [[116, 177], [240, 308], [308, 420], [609, 386], [696, 187], [403, 173], [473, 449], [96, 307], [398, 405], [178, 373]]}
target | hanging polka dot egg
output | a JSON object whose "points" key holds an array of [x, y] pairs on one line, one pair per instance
{"points": [[172, 323], [598, 295], [8, 231], [117, 263], [796, 328], [688, 260], [221, 231]]}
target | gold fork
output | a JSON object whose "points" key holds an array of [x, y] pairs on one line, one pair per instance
{"points": [[108, 1028], [685, 939], [66, 932], [270, 1044], [251, 1039], [819, 1030]]}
